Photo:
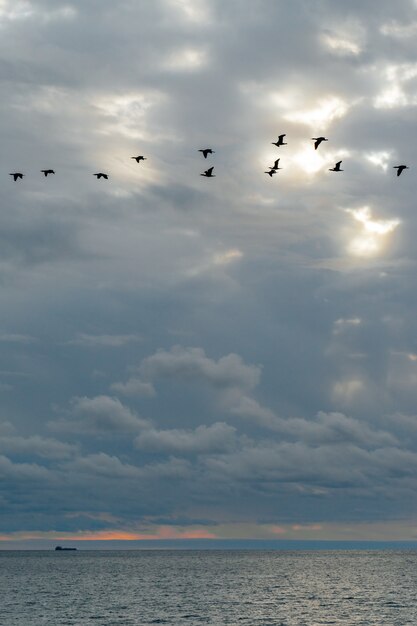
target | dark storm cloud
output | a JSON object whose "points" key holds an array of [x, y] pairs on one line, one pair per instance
{"points": [[291, 395]]}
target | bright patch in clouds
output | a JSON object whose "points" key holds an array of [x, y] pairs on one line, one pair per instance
{"points": [[396, 77], [192, 10], [341, 46], [186, 59], [394, 29], [126, 114], [343, 324], [345, 390], [328, 110], [22, 10], [309, 160], [371, 239], [15, 10], [379, 159], [224, 258]]}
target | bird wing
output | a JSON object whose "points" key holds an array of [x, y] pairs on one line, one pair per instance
{"points": [[338, 163], [209, 171], [276, 164]]}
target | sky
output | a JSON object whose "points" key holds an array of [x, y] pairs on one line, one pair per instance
{"points": [[192, 358]]}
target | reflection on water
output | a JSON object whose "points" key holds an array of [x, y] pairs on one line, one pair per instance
{"points": [[208, 587]]}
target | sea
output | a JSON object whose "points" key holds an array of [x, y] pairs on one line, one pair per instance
{"points": [[187, 587]]}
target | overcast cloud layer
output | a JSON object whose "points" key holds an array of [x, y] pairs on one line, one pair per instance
{"points": [[186, 357]]}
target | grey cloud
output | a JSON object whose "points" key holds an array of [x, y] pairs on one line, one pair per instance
{"points": [[16, 338], [99, 415], [6, 429], [324, 467], [38, 446], [30, 472], [218, 437], [193, 364], [326, 428], [134, 387], [106, 341], [110, 467]]}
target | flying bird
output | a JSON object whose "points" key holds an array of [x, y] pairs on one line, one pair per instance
{"points": [[16, 175], [206, 151], [280, 141], [101, 175], [209, 173], [400, 168], [336, 168], [317, 141], [46, 172], [275, 165], [271, 172], [139, 158]]}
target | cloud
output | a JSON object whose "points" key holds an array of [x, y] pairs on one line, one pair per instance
{"points": [[134, 387], [192, 364], [22, 472], [38, 446], [110, 467], [105, 341], [102, 415], [16, 338], [218, 437]]}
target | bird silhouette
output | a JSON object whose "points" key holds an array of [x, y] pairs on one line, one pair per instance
{"points": [[400, 168], [336, 168], [317, 141], [271, 172], [16, 175], [206, 151], [275, 165], [280, 141], [209, 173], [101, 175], [139, 158], [46, 172]]}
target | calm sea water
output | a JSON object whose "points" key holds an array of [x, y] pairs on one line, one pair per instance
{"points": [[204, 587]]}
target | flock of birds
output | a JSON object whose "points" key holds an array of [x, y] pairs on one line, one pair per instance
{"points": [[209, 172], [317, 141]]}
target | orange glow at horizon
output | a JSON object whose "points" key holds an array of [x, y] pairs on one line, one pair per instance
{"points": [[163, 532]]}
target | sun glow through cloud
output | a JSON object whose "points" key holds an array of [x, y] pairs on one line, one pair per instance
{"points": [[341, 46], [379, 159], [372, 239], [328, 110], [309, 160]]}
